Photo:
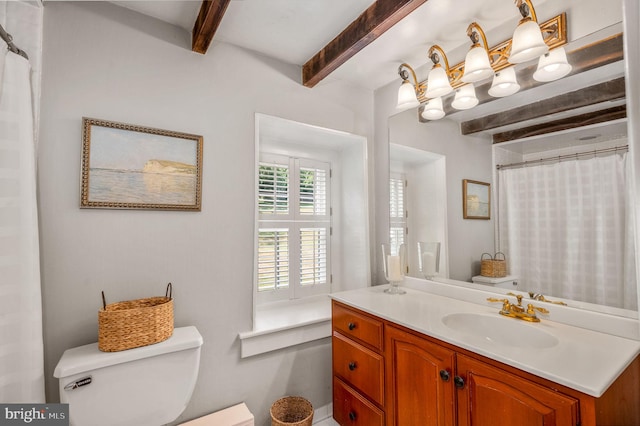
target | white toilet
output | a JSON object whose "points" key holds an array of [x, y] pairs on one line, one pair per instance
{"points": [[146, 386], [510, 281]]}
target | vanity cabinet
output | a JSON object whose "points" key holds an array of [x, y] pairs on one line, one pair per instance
{"points": [[491, 396], [387, 374], [358, 368], [420, 381], [431, 385]]}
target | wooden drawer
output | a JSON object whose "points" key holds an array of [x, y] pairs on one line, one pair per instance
{"points": [[362, 368], [351, 408], [357, 326]]}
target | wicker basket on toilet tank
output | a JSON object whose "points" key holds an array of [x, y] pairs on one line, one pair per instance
{"points": [[134, 323], [493, 267]]}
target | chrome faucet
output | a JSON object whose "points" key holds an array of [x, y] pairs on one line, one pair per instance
{"points": [[517, 310]]}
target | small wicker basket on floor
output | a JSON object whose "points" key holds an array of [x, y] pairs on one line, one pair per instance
{"points": [[291, 411], [134, 323], [493, 267]]}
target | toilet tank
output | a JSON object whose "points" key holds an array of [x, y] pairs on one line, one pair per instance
{"points": [[146, 386]]}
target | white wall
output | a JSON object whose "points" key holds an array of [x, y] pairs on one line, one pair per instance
{"points": [[106, 62]]}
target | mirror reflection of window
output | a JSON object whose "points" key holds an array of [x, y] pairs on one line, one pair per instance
{"points": [[397, 209]]}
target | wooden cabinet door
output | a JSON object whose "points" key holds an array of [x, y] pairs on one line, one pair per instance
{"points": [[419, 381], [492, 396]]}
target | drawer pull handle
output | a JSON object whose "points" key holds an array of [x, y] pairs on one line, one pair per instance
{"points": [[352, 366], [352, 326], [445, 375], [352, 416], [459, 382]]}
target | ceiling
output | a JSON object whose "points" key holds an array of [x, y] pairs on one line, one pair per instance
{"points": [[295, 30]]}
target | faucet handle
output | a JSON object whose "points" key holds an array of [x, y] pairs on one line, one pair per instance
{"points": [[506, 305], [517, 296], [532, 309]]}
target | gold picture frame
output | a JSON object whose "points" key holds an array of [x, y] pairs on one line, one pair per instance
{"points": [[476, 199], [125, 166]]}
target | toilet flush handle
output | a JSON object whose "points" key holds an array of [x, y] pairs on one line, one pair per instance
{"points": [[78, 383]]}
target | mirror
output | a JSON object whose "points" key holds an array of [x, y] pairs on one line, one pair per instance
{"points": [[410, 169], [417, 148]]}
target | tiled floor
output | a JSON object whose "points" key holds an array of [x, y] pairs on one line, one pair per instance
{"points": [[327, 422]]}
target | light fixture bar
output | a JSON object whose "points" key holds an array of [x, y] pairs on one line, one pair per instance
{"points": [[590, 56], [554, 33]]}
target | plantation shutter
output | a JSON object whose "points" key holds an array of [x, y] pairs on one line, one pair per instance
{"points": [[294, 226], [273, 259], [313, 191], [273, 189], [397, 208]]}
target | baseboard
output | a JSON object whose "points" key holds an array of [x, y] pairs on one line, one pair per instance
{"points": [[322, 413]]}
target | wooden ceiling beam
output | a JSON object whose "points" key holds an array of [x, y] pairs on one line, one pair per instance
{"points": [[587, 119], [607, 91], [371, 24], [208, 21]]}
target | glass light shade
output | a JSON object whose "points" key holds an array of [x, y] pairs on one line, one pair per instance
{"points": [[433, 109], [504, 83], [476, 65], [438, 83], [527, 43], [407, 96], [465, 97], [552, 65]]}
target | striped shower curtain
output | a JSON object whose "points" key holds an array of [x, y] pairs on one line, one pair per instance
{"points": [[21, 345]]}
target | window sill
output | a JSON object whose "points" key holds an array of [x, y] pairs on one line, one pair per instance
{"points": [[283, 324]]}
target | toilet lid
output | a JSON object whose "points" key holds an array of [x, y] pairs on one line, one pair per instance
{"points": [[89, 357]]}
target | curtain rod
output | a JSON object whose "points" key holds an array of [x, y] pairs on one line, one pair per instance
{"points": [[563, 157], [12, 47]]}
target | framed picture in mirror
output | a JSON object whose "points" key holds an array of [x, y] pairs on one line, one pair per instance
{"points": [[476, 199]]}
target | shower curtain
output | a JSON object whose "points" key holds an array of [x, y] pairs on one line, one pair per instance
{"points": [[21, 345], [567, 229]]}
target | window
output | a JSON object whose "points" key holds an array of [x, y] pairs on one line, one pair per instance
{"points": [[397, 209], [294, 227]]}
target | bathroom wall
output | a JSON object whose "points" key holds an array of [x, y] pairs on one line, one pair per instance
{"points": [[106, 62]]}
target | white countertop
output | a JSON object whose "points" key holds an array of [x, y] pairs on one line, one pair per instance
{"points": [[584, 360]]}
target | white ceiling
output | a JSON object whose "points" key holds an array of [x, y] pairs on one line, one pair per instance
{"points": [[295, 30]]}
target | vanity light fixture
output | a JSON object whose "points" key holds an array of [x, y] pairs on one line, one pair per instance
{"points": [[433, 109], [527, 42], [504, 83], [530, 40], [477, 65], [438, 83], [408, 93], [552, 65], [465, 97]]}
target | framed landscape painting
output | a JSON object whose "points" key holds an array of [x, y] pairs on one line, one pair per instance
{"points": [[476, 199], [133, 167]]}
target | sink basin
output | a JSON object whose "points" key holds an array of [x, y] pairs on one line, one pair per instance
{"points": [[500, 330]]}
